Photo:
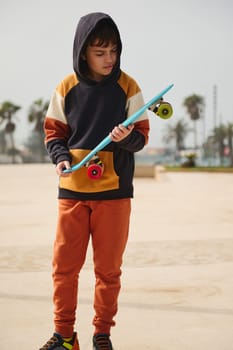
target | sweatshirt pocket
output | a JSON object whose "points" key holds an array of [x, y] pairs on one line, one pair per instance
{"points": [[79, 181]]}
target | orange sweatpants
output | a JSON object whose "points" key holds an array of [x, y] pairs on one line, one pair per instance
{"points": [[107, 223]]}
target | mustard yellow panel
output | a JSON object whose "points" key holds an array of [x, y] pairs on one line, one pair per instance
{"points": [[67, 84], [78, 181]]}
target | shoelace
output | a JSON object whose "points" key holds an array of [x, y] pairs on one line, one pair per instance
{"points": [[103, 342], [49, 343]]}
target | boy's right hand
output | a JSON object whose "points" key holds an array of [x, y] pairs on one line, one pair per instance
{"points": [[65, 164]]}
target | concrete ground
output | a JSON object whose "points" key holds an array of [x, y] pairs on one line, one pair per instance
{"points": [[177, 284]]}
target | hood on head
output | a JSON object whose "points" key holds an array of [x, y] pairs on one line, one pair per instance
{"points": [[84, 28]]}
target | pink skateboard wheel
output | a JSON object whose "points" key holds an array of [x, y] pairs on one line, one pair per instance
{"points": [[95, 171]]}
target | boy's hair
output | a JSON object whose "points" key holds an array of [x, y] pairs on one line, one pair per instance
{"points": [[102, 35]]}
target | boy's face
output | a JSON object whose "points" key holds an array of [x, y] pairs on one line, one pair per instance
{"points": [[100, 60]]}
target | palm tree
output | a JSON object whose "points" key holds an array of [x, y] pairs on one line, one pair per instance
{"points": [[229, 132], [36, 115], [7, 113], [178, 133], [219, 136], [195, 105], [2, 142]]}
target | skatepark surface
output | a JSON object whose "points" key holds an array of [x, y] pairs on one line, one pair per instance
{"points": [[177, 282]]}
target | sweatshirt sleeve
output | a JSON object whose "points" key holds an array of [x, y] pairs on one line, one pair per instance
{"points": [[138, 138], [56, 129]]}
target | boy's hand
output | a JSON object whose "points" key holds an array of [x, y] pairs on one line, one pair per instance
{"points": [[65, 164], [120, 132]]}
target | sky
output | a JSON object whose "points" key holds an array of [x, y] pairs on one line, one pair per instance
{"points": [[185, 42]]}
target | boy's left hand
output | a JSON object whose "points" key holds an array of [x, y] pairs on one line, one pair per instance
{"points": [[120, 132]]}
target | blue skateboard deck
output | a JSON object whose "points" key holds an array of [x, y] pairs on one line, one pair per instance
{"points": [[127, 122]]}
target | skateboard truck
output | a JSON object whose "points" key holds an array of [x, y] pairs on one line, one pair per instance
{"points": [[162, 109], [95, 168]]}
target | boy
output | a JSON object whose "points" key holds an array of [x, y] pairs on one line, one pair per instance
{"points": [[85, 107]]}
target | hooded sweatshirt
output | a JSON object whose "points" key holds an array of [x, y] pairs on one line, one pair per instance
{"points": [[82, 112]]}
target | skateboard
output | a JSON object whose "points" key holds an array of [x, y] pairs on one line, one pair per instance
{"points": [[95, 166]]}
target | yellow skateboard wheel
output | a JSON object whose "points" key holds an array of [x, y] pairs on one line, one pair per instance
{"points": [[165, 110]]}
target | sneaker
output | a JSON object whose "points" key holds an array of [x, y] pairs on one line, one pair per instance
{"points": [[102, 342], [58, 343]]}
